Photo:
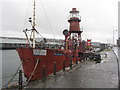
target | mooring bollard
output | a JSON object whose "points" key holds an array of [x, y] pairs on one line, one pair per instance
{"points": [[20, 80], [54, 72], [84, 57], [43, 73], [76, 60], [70, 63], [63, 65]]}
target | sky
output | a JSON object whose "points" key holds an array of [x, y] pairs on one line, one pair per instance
{"points": [[99, 18]]}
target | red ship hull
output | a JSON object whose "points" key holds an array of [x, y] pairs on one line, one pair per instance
{"points": [[47, 58]]}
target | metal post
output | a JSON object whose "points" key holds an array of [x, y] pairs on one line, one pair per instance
{"points": [[43, 73], [77, 61], [113, 36], [70, 63], [63, 65], [20, 80], [54, 68], [34, 24]]}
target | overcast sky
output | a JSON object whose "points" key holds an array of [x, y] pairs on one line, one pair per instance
{"points": [[98, 17]]}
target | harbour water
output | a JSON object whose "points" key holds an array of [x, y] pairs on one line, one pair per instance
{"points": [[10, 63]]}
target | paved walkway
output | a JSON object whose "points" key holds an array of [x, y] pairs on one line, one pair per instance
{"points": [[86, 75]]}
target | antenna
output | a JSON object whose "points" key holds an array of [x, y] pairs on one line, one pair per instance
{"points": [[34, 14], [34, 24]]}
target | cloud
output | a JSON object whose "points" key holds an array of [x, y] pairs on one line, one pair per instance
{"points": [[98, 17]]}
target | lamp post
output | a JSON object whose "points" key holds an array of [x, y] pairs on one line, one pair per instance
{"points": [[113, 35]]}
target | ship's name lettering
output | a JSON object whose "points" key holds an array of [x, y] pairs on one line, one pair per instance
{"points": [[39, 52]]}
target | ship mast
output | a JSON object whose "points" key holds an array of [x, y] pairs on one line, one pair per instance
{"points": [[33, 25]]}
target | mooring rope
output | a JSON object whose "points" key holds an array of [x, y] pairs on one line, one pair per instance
{"points": [[33, 71]]}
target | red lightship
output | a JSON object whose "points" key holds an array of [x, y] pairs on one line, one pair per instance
{"points": [[38, 62]]}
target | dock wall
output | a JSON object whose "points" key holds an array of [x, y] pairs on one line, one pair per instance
{"points": [[11, 45]]}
